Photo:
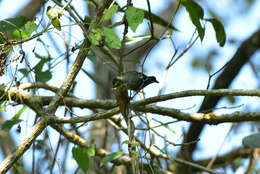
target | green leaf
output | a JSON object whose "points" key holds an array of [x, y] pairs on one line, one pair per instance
{"points": [[40, 142], [43, 76], [19, 34], [2, 40], [157, 19], [111, 157], [56, 24], [87, 21], [3, 104], [81, 156], [196, 13], [111, 39], [24, 71], [29, 28], [219, 30], [96, 36], [252, 141], [109, 13], [7, 125], [12, 23], [40, 75], [238, 162], [43, 59], [16, 166], [39, 66], [15, 169], [134, 17], [91, 149]]}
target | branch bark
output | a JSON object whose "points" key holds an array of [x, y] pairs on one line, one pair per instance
{"points": [[241, 57]]}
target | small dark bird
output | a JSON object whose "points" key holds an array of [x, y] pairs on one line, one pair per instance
{"points": [[130, 80], [133, 80]]}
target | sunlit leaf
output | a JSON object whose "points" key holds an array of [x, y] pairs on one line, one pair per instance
{"points": [[111, 38], [96, 36], [111, 157], [91, 149], [19, 34], [3, 104], [134, 17], [29, 28], [109, 13], [81, 156]]}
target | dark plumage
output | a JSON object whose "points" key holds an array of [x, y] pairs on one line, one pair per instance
{"points": [[133, 80]]}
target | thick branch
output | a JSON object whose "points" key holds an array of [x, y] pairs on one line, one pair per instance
{"points": [[23, 97], [241, 57], [69, 78], [226, 159], [209, 118], [20, 95], [190, 93]]}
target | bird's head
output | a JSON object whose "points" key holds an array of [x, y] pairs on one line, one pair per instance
{"points": [[151, 79], [133, 80]]}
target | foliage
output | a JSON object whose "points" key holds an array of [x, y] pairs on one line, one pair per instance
{"points": [[252, 141], [7, 125], [12, 23], [82, 157]]}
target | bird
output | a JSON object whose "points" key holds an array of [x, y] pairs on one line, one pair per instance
{"points": [[130, 80], [133, 80]]}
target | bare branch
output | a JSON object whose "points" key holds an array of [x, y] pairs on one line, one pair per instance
{"points": [[9, 161]]}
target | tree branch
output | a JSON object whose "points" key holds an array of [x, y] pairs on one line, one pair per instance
{"points": [[23, 97], [241, 57], [225, 159], [9, 161]]}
